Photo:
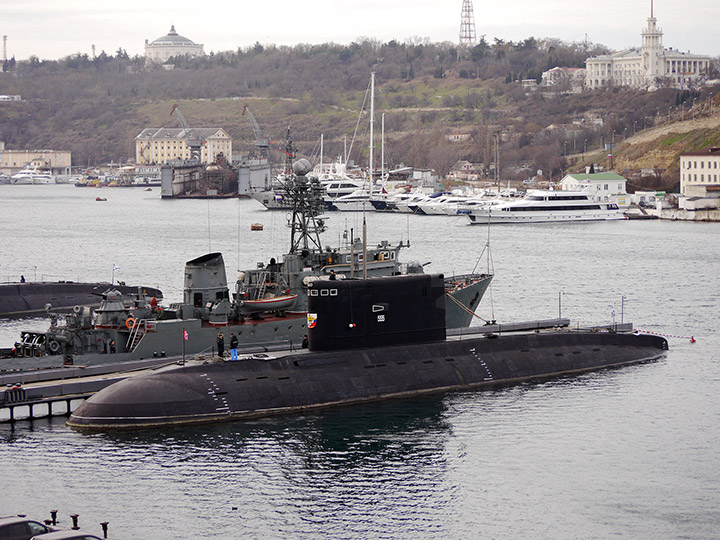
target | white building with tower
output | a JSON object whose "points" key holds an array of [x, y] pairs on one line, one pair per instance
{"points": [[649, 67], [169, 46]]}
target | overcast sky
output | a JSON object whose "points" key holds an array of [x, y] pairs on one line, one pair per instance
{"points": [[52, 29]]}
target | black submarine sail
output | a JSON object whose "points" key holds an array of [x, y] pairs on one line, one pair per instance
{"points": [[369, 340]]}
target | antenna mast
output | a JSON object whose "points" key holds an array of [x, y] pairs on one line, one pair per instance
{"points": [[467, 25]]}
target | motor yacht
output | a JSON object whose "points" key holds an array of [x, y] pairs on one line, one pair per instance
{"points": [[547, 206]]}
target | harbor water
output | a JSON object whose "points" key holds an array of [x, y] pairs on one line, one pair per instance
{"points": [[624, 453]]}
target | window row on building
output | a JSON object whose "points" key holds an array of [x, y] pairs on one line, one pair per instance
{"points": [[699, 169]]}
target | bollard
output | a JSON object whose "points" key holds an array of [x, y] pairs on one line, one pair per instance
{"points": [[53, 515], [104, 526], [75, 521]]}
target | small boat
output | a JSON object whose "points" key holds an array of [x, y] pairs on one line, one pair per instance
{"points": [[256, 227], [275, 303], [100, 199]]}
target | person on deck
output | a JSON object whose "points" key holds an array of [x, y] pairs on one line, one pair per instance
{"points": [[220, 345], [233, 347]]}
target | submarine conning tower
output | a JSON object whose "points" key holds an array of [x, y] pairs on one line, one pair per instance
{"points": [[205, 280], [350, 314]]}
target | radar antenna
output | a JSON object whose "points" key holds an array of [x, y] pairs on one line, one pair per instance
{"points": [[306, 194]]}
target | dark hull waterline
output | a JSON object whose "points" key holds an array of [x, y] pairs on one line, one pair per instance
{"points": [[255, 387]]}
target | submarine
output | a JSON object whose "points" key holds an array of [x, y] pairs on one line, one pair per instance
{"points": [[31, 298], [368, 340]]}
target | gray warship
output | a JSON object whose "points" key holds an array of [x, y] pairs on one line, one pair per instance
{"points": [[266, 309]]}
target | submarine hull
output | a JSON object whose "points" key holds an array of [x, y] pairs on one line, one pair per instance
{"points": [[23, 299], [263, 386]]}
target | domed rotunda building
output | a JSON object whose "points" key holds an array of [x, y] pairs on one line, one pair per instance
{"points": [[171, 45]]}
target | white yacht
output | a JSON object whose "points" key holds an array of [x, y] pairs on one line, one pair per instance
{"points": [[357, 201], [404, 204], [473, 203], [540, 206], [32, 175], [340, 187], [443, 206]]}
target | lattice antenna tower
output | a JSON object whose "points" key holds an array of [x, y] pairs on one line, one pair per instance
{"points": [[467, 25]]}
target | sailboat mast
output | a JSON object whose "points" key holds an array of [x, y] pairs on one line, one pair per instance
{"points": [[382, 148]]}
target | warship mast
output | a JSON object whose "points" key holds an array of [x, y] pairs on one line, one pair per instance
{"points": [[306, 194]]}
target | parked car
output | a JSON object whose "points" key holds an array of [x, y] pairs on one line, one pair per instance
{"points": [[20, 528], [66, 535]]}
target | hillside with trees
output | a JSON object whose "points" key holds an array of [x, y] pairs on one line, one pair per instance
{"points": [[94, 107]]}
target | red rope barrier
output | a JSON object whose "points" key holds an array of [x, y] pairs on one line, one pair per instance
{"points": [[691, 338]]}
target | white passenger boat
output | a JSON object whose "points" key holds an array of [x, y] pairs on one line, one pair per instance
{"points": [[540, 206], [32, 175]]}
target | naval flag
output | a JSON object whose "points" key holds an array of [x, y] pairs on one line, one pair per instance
{"points": [[186, 336], [115, 268]]}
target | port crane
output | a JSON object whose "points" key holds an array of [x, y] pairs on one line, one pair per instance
{"points": [[262, 143], [194, 143]]}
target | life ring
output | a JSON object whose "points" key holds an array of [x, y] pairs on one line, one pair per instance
{"points": [[53, 346], [130, 323]]}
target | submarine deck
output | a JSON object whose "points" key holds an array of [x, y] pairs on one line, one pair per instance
{"points": [[82, 382], [261, 385]]}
